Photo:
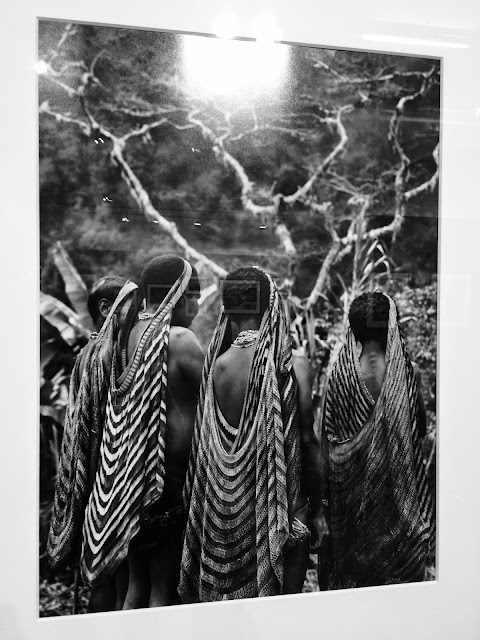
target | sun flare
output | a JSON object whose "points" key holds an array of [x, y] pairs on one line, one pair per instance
{"points": [[224, 67]]}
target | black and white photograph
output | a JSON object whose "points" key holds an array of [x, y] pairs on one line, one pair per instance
{"points": [[238, 245], [239, 271]]}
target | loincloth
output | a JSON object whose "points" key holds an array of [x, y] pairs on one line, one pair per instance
{"points": [[161, 521]]}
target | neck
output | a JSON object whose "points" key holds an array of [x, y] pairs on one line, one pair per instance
{"points": [[372, 347], [150, 308]]}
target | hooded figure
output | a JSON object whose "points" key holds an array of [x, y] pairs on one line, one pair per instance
{"points": [[379, 502], [243, 484]]}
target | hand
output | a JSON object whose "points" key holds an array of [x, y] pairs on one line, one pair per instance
{"points": [[319, 531]]}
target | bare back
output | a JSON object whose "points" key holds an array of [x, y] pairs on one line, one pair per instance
{"points": [[373, 366], [230, 378], [184, 371]]}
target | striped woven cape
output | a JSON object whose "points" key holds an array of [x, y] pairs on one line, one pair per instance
{"points": [[240, 497], [379, 502], [131, 469], [82, 434]]}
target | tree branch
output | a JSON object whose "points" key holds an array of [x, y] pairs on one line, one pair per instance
{"points": [[247, 187], [339, 247], [143, 201], [324, 273], [249, 198], [65, 117], [146, 128], [319, 64], [428, 185], [323, 166], [52, 76], [400, 177], [135, 187]]}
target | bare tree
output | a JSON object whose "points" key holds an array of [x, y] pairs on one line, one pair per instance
{"points": [[318, 120]]}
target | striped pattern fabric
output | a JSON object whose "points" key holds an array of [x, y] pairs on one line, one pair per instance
{"points": [[242, 485], [379, 501], [131, 469], [82, 435], [226, 432]]}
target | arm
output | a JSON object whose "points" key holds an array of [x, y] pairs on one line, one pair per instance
{"points": [[421, 409], [185, 364], [310, 450], [189, 356]]}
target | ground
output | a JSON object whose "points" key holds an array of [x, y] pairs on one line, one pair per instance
{"points": [[56, 595]]}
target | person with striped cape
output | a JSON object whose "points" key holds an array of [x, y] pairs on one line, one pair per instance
{"points": [[135, 509], [108, 302], [379, 505], [246, 533]]}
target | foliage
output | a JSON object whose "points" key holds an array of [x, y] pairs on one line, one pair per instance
{"points": [[418, 310], [56, 596]]}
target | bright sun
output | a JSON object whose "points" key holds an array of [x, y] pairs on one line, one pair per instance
{"points": [[233, 66]]}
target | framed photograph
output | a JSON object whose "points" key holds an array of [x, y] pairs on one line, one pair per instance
{"points": [[359, 119]]}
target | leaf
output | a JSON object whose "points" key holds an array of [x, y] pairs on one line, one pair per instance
{"points": [[75, 288], [64, 319], [368, 268], [373, 246], [207, 292], [342, 281]]}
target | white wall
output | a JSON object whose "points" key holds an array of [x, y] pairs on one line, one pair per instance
{"points": [[446, 609]]}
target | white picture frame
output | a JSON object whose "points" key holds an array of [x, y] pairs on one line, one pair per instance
{"points": [[446, 608]]}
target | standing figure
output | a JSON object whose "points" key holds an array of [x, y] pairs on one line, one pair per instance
{"points": [[108, 302], [379, 503], [247, 533], [135, 508], [101, 297]]}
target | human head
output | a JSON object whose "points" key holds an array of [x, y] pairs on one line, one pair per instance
{"points": [[158, 277], [246, 293], [101, 297], [368, 317]]}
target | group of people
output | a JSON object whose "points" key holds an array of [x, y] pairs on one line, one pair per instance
{"points": [[192, 477]]}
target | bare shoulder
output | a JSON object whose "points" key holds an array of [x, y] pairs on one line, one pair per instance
{"points": [[186, 351], [182, 339], [220, 364], [301, 365]]}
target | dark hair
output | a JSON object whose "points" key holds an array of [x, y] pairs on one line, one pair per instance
{"points": [[368, 317], [157, 278], [108, 288], [160, 274], [246, 291]]}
